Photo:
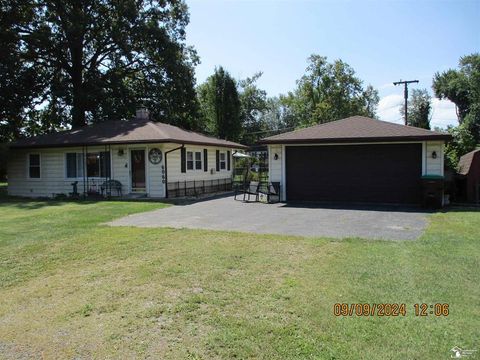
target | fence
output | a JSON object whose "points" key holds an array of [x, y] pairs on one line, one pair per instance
{"points": [[195, 188]]}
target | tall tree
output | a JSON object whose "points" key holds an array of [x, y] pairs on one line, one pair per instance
{"points": [[20, 83], [462, 87], [278, 116], [100, 59], [330, 91], [253, 103], [419, 109], [220, 105], [462, 143]]}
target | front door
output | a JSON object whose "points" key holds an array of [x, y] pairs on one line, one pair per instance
{"points": [[137, 159]]}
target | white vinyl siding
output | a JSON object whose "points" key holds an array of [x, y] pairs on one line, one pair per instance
{"points": [[174, 170], [434, 166], [275, 166], [54, 178]]}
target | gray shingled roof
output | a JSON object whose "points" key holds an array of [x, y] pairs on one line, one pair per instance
{"points": [[465, 162], [355, 129], [134, 131]]}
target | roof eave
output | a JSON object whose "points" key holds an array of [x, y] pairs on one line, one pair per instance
{"points": [[106, 143], [439, 137]]}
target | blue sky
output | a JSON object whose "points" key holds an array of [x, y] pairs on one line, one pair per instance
{"points": [[384, 41]]}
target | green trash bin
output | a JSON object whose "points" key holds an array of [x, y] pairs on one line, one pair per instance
{"points": [[432, 191]]}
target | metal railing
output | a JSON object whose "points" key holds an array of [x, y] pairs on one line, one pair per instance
{"points": [[198, 187]]}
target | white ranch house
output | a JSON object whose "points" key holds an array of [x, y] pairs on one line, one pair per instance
{"points": [[144, 157]]}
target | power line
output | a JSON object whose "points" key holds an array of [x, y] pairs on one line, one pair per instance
{"points": [[405, 94]]}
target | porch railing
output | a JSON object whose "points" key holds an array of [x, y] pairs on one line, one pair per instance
{"points": [[198, 187]]}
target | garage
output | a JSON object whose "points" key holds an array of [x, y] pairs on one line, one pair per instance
{"points": [[356, 160], [384, 173]]}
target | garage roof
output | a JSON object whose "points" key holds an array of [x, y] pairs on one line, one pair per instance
{"points": [[355, 129], [133, 131]]}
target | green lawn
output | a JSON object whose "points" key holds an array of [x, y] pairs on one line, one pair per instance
{"points": [[71, 287]]}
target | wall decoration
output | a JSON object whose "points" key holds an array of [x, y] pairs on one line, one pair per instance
{"points": [[155, 156]]}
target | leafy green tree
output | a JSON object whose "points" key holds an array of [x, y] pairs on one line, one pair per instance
{"points": [[462, 87], [20, 84], [462, 143], [330, 91], [100, 59], [253, 104], [278, 116], [419, 109], [220, 105]]}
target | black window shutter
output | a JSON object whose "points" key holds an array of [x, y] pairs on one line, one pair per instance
{"points": [[218, 160], [205, 160], [183, 156], [228, 160]]}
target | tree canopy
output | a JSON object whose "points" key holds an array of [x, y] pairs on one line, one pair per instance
{"points": [[419, 109], [462, 87], [330, 91], [220, 105], [253, 105], [71, 62]]}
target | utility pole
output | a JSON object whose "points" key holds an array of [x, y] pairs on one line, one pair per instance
{"points": [[405, 93]]}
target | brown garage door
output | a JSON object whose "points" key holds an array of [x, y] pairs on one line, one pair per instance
{"points": [[354, 173]]}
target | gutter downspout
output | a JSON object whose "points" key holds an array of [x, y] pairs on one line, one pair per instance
{"points": [[166, 167]]}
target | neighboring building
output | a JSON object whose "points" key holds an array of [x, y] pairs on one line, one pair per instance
{"points": [[356, 159], [142, 156], [469, 174]]}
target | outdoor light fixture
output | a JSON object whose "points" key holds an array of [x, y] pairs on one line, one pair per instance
{"points": [[120, 152], [275, 157], [434, 154]]}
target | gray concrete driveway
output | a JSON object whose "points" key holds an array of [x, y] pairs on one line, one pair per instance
{"points": [[224, 213]]}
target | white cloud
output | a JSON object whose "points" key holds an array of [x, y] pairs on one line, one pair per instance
{"points": [[443, 111], [389, 108], [386, 86]]}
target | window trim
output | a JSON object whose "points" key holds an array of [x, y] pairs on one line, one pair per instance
{"points": [[224, 161], [194, 161], [39, 166], [85, 169]]}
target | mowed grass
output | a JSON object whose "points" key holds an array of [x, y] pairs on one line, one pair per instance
{"points": [[72, 288]]}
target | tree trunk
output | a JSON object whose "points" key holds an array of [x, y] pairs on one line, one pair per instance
{"points": [[75, 36], [78, 109]]}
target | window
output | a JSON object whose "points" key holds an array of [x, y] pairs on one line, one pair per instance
{"points": [[34, 166], [194, 160], [198, 160], [98, 164], [189, 160], [223, 161], [74, 165]]}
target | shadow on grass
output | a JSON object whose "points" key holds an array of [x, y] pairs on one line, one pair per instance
{"points": [[38, 203]]}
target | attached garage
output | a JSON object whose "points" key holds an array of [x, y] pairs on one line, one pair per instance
{"points": [[355, 160]]}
